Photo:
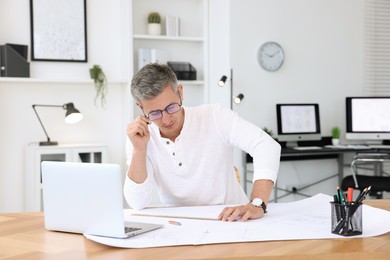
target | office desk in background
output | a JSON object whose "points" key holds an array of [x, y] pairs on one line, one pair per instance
{"points": [[290, 154], [23, 236]]}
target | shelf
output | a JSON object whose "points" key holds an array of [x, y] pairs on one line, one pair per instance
{"points": [[38, 80], [56, 81], [65, 145], [191, 82], [167, 38]]}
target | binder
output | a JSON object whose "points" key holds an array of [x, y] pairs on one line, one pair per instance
{"points": [[13, 61], [143, 57], [146, 56]]}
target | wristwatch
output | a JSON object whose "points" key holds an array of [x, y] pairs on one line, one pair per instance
{"points": [[257, 202]]}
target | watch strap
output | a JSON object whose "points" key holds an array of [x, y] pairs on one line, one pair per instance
{"points": [[262, 205]]}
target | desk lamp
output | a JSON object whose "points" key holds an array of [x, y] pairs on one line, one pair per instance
{"points": [[72, 116]]}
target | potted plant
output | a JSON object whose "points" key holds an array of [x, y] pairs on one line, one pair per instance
{"points": [[335, 136], [100, 81], [268, 131], [154, 26]]}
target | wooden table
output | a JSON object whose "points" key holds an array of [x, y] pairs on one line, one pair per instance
{"points": [[23, 236]]}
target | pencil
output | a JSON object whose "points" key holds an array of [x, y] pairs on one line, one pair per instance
{"points": [[359, 198], [341, 196], [163, 216]]}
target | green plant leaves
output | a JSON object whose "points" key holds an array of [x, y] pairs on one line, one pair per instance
{"points": [[96, 73]]}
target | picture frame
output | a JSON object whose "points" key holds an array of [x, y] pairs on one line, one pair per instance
{"points": [[58, 30]]}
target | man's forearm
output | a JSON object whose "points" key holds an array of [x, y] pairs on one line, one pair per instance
{"points": [[137, 171], [262, 189]]}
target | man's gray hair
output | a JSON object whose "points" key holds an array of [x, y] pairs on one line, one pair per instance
{"points": [[151, 80]]}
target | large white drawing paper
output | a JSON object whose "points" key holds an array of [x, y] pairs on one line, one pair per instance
{"points": [[305, 219]]}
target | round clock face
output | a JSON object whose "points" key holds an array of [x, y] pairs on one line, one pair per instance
{"points": [[270, 56]]}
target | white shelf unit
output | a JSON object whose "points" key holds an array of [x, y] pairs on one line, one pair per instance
{"points": [[35, 154], [167, 38], [88, 82], [191, 46]]}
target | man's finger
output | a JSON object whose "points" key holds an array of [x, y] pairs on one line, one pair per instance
{"points": [[246, 216], [235, 215], [227, 213]]}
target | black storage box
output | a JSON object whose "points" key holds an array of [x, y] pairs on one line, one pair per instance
{"points": [[183, 70], [13, 61]]}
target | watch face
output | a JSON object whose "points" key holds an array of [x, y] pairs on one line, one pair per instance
{"points": [[257, 202], [270, 56]]}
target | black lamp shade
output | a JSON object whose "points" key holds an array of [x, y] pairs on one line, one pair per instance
{"points": [[239, 98], [222, 81], [72, 115]]}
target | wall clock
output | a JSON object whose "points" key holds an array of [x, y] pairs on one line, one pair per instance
{"points": [[270, 56]]}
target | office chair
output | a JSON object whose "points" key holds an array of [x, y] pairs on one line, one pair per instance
{"points": [[379, 182]]}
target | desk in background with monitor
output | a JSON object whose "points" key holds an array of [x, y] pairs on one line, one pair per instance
{"points": [[298, 122], [368, 119], [325, 152], [299, 132]]}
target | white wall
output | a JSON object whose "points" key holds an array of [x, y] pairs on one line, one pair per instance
{"points": [[323, 45], [219, 51], [59, 83]]}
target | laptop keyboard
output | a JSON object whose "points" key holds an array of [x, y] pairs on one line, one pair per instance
{"points": [[131, 229]]}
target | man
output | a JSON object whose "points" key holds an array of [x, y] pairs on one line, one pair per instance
{"points": [[187, 152]]}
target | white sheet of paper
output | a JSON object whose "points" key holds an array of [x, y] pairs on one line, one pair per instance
{"points": [[201, 212], [305, 219]]}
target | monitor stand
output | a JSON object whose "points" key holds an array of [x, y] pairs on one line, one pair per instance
{"points": [[291, 144], [373, 142]]}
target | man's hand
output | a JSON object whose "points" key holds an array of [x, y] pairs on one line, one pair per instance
{"points": [[138, 132], [261, 189], [241, 213]]}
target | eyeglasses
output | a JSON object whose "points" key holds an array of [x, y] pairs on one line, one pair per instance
{"points": [[171, 109]]}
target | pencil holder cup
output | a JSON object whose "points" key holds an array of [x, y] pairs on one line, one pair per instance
{"points": [[347, 219]]}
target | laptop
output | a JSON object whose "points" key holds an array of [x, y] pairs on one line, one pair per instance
{"points": [[86, 198]]}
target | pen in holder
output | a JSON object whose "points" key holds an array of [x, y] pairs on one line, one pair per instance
{"points": [[347, 219]]}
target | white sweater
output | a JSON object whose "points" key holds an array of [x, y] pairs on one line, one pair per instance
{"points": [[197, 169]]}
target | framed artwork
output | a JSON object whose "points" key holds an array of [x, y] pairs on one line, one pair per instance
{"points": [[58, 30]]}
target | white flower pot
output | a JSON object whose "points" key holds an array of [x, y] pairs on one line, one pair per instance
{"points": [[335, 141], [154, 29]]}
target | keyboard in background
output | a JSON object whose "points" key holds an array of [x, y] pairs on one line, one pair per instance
{"points": [[304, 148], [379, 146], [349, 146], [339, 146], [358, 146]]}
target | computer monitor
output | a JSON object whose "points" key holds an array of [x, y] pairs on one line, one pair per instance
{"points": [[298, 122], [368, 118]]}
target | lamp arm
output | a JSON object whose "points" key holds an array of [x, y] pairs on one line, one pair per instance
{"points": [[39, 119]]}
